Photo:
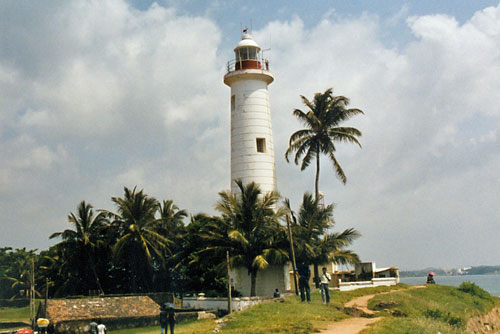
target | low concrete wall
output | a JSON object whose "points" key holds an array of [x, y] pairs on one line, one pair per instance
{"points": [[218, 303], [82, 326], [347, 286]]}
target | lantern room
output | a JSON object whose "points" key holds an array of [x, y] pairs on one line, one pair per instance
{"points": [[247, 55]]}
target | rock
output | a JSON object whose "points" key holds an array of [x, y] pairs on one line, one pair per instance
{"points": [[205, 315]]}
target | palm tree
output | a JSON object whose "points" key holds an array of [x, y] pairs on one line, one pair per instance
{"points": [[139, 244], [172, 218], [322, 130], [313, 243], [171, 226], [248, 228], [19, 271], [82, 242]]}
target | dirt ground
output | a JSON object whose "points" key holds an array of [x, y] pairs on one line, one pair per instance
{"points": [[356, 324]]}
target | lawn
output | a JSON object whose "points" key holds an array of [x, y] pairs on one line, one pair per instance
{"points": [[431, 310], [15, 314], [406, 311]]}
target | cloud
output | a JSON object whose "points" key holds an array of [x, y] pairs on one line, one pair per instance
{"points": [[96, 96], [429, 134]]}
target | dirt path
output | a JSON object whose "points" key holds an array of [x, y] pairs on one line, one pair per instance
{"points": [[356, 324]]}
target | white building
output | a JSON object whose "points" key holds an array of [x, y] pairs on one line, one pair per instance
{"points": [[252, 149]]}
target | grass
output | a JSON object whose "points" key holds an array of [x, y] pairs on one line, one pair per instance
{"points": [[293, 316], [290, 316], [15, 314], [187, 327], [434, 309], [406, 311]]}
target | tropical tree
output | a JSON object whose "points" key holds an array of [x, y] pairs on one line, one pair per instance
{"points": [[322, 131], [199, 265], [313, 241], [171, 226], [16, 271], [80, 244], [140, 246], [172, 219], [248, 228]]}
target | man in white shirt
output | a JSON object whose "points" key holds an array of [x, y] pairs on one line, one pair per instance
{"points": [[101, 329], [325, 291]]}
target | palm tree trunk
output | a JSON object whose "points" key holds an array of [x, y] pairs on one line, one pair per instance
{"points": [[253, 281], [316, 181], [316, 198], [316, 275], [96, 277]]}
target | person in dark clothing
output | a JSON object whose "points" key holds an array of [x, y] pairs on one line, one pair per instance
{"points": [[276, 293], [430, 279], [93, 327], [163, 318], [171, 319], [304, 273]]}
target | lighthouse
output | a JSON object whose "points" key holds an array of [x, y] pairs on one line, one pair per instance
{"points": [[252, 150]]}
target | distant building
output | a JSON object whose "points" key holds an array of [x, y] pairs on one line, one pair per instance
{"points": [[365, 274]]}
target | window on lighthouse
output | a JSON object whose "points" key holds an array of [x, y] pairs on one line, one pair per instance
{"points": [[246, 53], [261, 145]]}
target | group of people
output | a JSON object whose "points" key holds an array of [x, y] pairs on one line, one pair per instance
{"points": [[167, 320], [95, 328], [304, 273]]}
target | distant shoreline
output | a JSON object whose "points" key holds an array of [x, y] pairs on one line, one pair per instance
{"points": [[478, 270]]}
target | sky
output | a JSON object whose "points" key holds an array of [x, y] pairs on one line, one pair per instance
{"points": [[96, 96]]}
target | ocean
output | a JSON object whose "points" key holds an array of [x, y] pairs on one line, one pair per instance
{"points": [[490, 283]]}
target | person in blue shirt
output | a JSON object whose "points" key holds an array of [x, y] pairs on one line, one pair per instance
{"points": [[304, 273]]}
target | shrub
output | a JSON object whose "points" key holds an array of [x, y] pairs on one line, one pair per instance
{"points": [[445, 317], [474, 290]]}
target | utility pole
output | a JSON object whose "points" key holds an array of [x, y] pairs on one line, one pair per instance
{"points": [[32, 293], [229, 301], [46, 295], [293, 254]]}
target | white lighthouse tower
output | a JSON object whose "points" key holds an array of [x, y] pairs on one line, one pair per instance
{"points": [[252, 151]]}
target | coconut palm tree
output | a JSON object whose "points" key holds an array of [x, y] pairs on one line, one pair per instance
{"points": [[172, 218], [314, 244], [322, 131], [81, 243], [140, 244], [248, 228], [18, 271]]}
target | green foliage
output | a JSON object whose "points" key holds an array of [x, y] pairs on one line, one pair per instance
{"points": [[15, 272], [474, 290], [444, 316], [312, 240], [323, 130], [248, 229]]}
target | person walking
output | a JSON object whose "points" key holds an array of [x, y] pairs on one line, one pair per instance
{"points": [[171, 319], [325, 290], [163, 317], [93, 327], [101, 328], [304, 273]]}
